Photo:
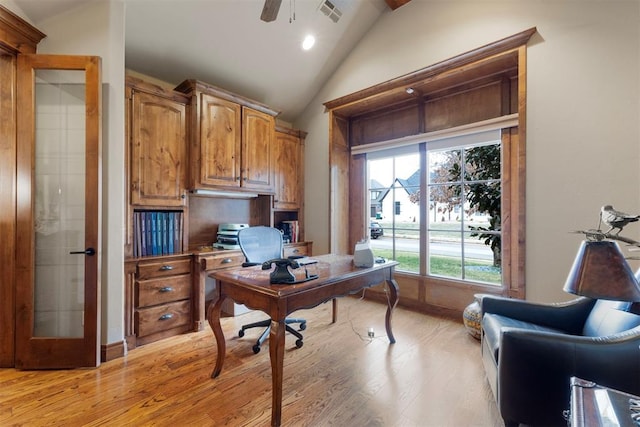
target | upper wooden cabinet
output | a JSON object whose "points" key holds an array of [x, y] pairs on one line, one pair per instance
{"points": [[258, 134], [231, 148], [215, 154], [288, 168], [158, 145]]}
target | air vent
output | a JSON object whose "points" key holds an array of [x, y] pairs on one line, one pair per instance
{"points": [[330, 10]]}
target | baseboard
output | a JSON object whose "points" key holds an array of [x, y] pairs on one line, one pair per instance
{"points": [[112, 351], [417, 306]]}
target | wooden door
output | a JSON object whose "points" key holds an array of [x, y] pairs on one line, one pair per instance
{"points": [[286, 158], [218, 163], [258, 133], [158, 151], [58, 211]]}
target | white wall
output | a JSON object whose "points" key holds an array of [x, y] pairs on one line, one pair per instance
{"points": [[97, 29], [583, 146]]}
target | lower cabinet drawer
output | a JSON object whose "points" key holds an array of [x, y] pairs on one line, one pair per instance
{"points": [[223, 260], [163, 268], [297, 250], [159, 291], [163, 317]]}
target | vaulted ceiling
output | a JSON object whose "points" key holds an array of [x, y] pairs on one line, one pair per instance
{"points": [[225, 43]]}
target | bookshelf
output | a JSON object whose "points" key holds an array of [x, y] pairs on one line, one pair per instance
{"points": [[157, 233]]}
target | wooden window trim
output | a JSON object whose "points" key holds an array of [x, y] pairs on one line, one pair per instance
{"points": [[348, 221]]}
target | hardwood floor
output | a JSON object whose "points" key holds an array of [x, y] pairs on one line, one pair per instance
{"points": [[432, 376]]}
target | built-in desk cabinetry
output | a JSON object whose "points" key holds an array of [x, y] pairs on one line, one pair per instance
{"points": [[179, 142], [158, 145], [158, 298], [258, 133], [231, 142], [288, 168]]}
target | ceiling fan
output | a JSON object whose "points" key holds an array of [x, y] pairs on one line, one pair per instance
{"points": [[270, 10]]}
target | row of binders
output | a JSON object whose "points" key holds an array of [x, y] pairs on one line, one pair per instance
{"points": [[157, 233], [290, 231]]}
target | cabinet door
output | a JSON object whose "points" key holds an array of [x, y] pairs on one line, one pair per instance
{"points": [[286, 158], [217, 159], [158, 152], [257, 136]]}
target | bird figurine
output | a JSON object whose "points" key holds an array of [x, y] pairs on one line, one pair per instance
{"points": [[616, 219]]}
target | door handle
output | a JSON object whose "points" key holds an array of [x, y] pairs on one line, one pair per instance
{"points": [[88, 251]]}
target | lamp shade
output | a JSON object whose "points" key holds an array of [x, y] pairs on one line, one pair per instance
{"points": [[600, 271]]}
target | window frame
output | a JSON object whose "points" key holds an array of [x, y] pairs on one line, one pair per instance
{"points": [[423, 149]]}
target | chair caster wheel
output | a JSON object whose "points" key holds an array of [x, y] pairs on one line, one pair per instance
{"points": [[256, 349], [299, 343], [303, 326], [241, 333]]}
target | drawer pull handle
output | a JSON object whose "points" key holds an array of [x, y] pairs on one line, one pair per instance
{"points": [[166, 289], [166, 268], [296, 251], [166, 316], [226, 261]]}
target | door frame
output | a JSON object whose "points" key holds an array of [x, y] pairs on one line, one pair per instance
{"points": [[16, 36]]}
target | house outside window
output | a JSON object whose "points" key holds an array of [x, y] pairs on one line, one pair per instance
{"points": [[462, 209]]}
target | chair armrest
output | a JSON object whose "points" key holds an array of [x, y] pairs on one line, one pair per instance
{"points": [[535, 368], [569, 316]]}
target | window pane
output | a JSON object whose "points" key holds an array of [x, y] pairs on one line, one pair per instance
{"points": [[445, 166], [394, 185], [482, 162], [444, 206]]}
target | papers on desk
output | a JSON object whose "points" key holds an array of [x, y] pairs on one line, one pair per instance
{"points": [[306, 261], [607, 414]]}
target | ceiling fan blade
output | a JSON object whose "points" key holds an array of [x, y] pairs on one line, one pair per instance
{"points": [[270, 10]]}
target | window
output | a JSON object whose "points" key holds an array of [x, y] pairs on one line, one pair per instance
{"points": [[462, 210], [486, 90]]}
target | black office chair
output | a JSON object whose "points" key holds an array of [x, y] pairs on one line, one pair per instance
{"points": [[259, 244]]}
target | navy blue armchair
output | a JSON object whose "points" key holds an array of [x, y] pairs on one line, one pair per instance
{"points": [[530, 351]]}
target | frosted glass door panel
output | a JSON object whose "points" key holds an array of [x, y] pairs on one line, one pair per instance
{"points": [[59, 204]]}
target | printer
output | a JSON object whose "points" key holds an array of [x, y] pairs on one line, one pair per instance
{"points": [[228, 235]]}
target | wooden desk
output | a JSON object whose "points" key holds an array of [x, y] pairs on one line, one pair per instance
{"points": [[588, 409], [250, 286]]}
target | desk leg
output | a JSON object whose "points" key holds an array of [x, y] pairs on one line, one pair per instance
{"points": [[334, 316], [214, 321], [393, 300], [276, 352]]}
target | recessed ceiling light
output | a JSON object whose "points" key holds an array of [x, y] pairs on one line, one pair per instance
{"points": [[308, 42]]}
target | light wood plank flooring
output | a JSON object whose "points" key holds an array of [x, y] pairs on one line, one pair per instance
{"points": [[432, 376]]}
